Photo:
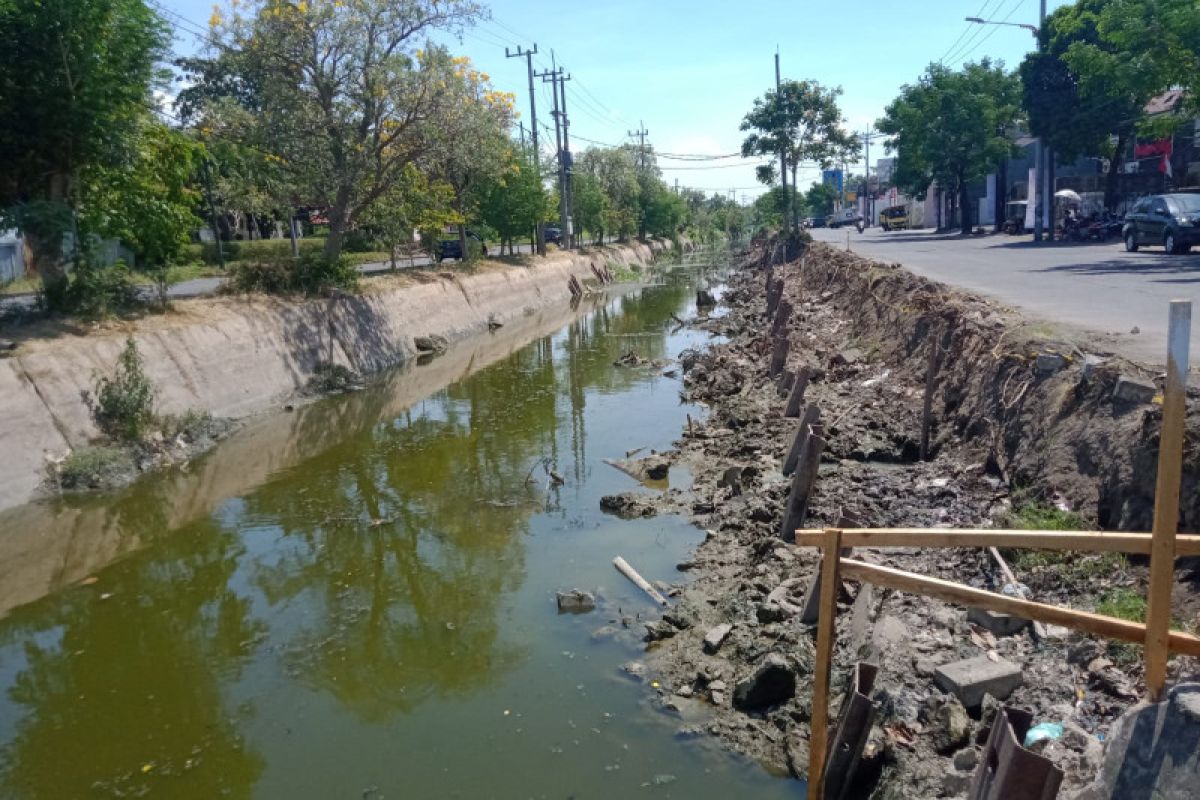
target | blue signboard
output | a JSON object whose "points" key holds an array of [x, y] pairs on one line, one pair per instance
{"points": [[833, 177]]}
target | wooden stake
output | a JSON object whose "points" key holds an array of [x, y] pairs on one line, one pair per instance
{"points": [[1166, 498], [812, 415], [1083, 541], [826, 628], [631, 573], [930, 383], [806, 475], [1087, 622], [799, 385], [779, 354]]}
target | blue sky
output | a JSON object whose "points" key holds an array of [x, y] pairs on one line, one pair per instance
{"points": [[690, 70]]}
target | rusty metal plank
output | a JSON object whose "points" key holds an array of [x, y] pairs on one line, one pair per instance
{"points": [[1007, 770], [850, 734]]}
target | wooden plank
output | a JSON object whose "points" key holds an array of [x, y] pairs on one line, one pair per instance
{"points": [[1090, 541], [1166, 499], [1098, 624], [826, 628]]}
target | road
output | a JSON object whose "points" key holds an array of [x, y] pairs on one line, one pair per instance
{"points": [[1094, 290]]}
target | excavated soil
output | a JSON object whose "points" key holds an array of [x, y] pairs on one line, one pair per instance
{"points": [[1015, 419]]}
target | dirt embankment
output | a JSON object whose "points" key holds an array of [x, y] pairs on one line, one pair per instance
{"points": [[1013, 416], [234, 357]]}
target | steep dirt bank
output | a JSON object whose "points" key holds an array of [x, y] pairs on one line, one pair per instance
{"points": [[1012, 415], [234, 357]]}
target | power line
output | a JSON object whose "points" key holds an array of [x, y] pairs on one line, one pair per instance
{"points": [[975, 29]]}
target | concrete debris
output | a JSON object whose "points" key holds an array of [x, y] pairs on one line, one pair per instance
{"points": [[715, 637], [1134, 390], [970, 679], [430, 344], [1049, 363], [773, 682], [996, 623], [575, 601]]}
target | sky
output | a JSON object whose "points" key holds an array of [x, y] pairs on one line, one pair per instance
{"points": [[689, 71]]}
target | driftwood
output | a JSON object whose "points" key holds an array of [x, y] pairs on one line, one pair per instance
{"points": [[792, 409], [629, 572]]}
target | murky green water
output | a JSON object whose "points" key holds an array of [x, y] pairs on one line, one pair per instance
{"points": [[356, 600]]}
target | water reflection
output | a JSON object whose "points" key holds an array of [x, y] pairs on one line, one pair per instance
{"points": [[365, 570]]}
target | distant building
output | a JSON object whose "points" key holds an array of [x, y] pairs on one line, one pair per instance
{"points": [[885, 168], [12, 256]]}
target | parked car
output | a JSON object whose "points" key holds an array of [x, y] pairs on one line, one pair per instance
{"points": [[553, 235], [1170, 220], [894, 218], [847, 216], [815, 222], [452, 248]]}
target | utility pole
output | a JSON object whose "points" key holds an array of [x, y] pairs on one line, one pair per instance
{"points": [[787, 223], [1040, 190], [540, 236], [553, 77], [568, 166], [641, 134], [868, 195]]}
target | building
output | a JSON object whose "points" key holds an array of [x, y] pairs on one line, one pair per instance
{"points": [[12, 256]]}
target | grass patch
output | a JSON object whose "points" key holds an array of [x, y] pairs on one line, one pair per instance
{"points": [[623, 273], [1033, 516], [99, 467], [1129, 605]]}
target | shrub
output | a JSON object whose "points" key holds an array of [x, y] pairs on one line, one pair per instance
{"points": [[94, 292], [309, 274], [330, 378], [124, 402], [95, 468]]}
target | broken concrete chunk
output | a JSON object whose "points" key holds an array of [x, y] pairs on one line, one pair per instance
{"points": [[716, 637], [1134, 390], [969, 680], [659, 630], [773, 682], [949, 725], [1049, 363], [575, 601], [998, 624], [1153, 750], [430, 344]]}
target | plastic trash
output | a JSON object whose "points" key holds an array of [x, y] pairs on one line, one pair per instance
{"points": [[1018, 590], [1043, 731]]}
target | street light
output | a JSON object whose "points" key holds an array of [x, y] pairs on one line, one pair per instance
{"points": [[980, 21]]}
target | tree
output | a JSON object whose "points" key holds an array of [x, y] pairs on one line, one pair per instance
{"points": [[76, 84], [819, 199], [1144, 48], [1077, 118], [412, 203], [949, 126], [591, 205], [336, 91], [615, 171], [664, 211], [515, 201], [801, 120], [148, 203]]}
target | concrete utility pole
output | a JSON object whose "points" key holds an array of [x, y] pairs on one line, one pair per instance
{"points": [[868, 195], [553, 77], [568, 167], [1040, 191], [787, 220], [540, 236], [641, 134]]}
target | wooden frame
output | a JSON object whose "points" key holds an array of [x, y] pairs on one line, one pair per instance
{"points": [[1089, 541]]}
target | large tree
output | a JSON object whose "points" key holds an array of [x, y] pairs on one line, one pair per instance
{"points": [[950, 126], [615, 172], [515, 200], [801, 120], [76, 81], [337, 91], [1075, 117]]}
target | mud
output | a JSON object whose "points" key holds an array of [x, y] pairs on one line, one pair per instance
{"points": [[1013, 416]]}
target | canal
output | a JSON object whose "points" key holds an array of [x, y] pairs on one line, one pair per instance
{"points": [[356, 600]]}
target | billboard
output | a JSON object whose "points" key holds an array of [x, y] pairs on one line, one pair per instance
{"points": [[833, 177]]}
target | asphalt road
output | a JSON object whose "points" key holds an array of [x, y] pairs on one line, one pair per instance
{"points": [[1094, 291]]}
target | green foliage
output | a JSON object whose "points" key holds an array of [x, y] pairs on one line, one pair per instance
{"points": [[309, 274], [1035, 516], [818, 200], [663, 211], [591, 205], [123, 406], [1143, 48], [950, 126], [614, 171], [94, 468], [77, 84], [1123, 604], [93, 292], [514, 201]]}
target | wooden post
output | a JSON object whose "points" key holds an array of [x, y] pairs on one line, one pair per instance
{"points": [[826, 628], [785, 382], [930, 382], [812, 414], [783, 315], [797, 394], [779, 354], [1166, 498]]}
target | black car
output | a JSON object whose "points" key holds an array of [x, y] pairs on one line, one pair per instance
{"points": [[452, 248], [1170, 220], [553, 235]]}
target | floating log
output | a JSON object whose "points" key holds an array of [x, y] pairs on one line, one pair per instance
{"points": [[629, 572]]}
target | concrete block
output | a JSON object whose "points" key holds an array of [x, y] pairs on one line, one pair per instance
{"points": [[1134, 390], [998, 624], [969, 680], [716, 637], [1050, 363]]}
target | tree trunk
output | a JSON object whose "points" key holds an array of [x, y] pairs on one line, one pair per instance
{"points": [[965, 202], [462, 243], [1114, 167], [339, 221]]}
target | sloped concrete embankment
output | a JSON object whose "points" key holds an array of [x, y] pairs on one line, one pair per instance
{"points": [[235, 357], [1076, 425]]}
